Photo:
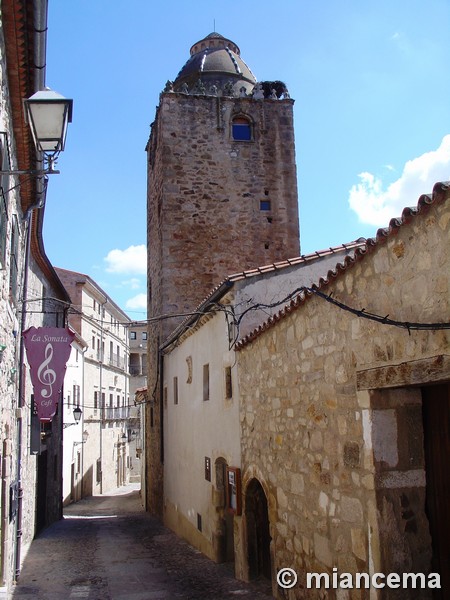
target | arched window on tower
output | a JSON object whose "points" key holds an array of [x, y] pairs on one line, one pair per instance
{"points": [[241, 129]]}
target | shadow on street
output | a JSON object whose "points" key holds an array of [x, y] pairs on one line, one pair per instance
{"points": [[108, 548]]}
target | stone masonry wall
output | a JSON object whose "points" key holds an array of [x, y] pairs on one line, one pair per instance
{"points": [[337, 462], [205, 191]]}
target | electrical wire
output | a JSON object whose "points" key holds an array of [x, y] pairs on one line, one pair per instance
{"points": [[384, 320], [235, 318]]}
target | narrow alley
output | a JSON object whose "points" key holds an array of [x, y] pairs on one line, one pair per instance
{"points": [[108, 548]]}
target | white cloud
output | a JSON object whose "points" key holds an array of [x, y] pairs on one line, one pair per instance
{"points": [[134, 283], [375, 205], [138, 302], [132, 260]]}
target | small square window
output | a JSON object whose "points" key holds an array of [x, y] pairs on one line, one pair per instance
{"points": [[265, 205], [132, 335]]}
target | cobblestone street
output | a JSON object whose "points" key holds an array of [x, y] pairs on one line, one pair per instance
{"points": [[108, 548]]}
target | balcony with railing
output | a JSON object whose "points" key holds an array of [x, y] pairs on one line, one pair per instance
{"points": [[115, 360], [115, 413]]}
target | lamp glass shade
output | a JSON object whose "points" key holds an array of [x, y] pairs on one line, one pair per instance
{"points": [[48, 114], [77, 414]]}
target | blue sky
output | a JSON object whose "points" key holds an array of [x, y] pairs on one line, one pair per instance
{"points": [[372, 115]]}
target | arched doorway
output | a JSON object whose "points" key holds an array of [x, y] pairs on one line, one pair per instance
{"points": [[258, 532]]}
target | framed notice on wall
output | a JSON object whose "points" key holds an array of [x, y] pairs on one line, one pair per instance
{"points": [[233, 490]]}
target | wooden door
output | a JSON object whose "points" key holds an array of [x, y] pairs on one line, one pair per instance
{"points": [[436, 421]]}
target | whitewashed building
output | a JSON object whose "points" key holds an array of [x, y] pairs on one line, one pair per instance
{"points": [[73, 439], [104, 395]]}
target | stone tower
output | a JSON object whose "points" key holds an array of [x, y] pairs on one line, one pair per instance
{"points": [[222, 193]]}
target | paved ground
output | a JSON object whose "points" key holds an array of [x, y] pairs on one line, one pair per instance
{"points": [[108, 548]]}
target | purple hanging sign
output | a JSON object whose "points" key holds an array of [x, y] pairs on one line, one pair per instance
{"points": [[48, 350]]}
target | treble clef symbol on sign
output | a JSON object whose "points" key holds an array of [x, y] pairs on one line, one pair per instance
{"points": [[46, 375]]}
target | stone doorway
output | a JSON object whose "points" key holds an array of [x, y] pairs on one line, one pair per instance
{"points": [[436, 431], [258, 531]]}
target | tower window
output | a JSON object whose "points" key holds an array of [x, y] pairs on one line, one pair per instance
{"points": [[265, 205], [241, 129]]}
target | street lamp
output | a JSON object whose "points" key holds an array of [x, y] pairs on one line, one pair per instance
{"points": [[48, 115], [85, 439], [76, 415]]}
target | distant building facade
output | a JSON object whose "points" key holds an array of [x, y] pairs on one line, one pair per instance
{"points": [[105, 402]]}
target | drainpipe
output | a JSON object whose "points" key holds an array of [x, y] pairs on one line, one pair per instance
{"points": [[161, 405], [83, 352], [126, 362], [102, 404], [21, 390]]}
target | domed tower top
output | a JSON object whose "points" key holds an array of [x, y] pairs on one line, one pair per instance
{"points": [[215, 61]]}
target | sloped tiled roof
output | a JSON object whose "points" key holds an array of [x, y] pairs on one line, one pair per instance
{"points": [[220, 290], [299, 260], [440, 194]]}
